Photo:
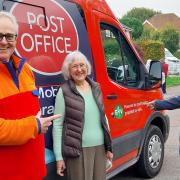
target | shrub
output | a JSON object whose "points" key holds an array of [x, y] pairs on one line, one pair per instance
{"points": [[177, 54], [152, 49], [170, 38]]}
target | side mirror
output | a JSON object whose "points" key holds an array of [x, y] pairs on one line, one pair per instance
{"points": [[154, 77], [155, 71]]}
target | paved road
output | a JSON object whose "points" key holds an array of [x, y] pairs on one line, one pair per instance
{"points": [[171, 166]]}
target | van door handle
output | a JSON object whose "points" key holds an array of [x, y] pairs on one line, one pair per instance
{"points": [[112, 96], [112, 114]]}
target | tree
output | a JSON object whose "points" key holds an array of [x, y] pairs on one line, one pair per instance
{"points": [[150, 34], [141, 14], [170, 38], [135, 24]]}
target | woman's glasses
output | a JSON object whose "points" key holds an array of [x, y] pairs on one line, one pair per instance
{"points": [[76, 66]]}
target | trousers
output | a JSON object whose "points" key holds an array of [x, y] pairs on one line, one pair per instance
{"points": [[89, 166]]}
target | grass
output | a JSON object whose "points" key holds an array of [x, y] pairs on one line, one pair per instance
{"points": [[173, 81]]}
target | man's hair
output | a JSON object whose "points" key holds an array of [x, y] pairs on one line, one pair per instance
{"points": [[11, 17]]}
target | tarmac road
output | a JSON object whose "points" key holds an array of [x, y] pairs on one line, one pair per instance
{"points": [[171, 166]]}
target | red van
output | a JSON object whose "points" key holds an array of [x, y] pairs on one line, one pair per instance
{"points": [[50, 29]]}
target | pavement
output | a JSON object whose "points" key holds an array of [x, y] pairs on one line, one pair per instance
{"points": [[171, 165], [172, 91]]}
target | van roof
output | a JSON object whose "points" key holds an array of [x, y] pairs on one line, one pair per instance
{"points": [[98, 5]]}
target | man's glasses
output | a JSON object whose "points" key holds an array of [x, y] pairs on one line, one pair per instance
{"points": [[9, 37]]}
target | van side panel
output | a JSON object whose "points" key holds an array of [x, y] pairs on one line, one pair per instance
{"points": [[49, 30]]}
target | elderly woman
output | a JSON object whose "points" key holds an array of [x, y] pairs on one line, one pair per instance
{"points": [[81, 136]]}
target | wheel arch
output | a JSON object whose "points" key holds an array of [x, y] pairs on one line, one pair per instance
{"points": [[160, 120]]}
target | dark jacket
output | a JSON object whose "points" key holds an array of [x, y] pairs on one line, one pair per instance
{"points": [[169, 104], [165, 68], [74, 119]]}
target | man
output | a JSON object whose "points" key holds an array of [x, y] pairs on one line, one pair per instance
{"points": [[168, 104], [165, 71], [21, 126]]}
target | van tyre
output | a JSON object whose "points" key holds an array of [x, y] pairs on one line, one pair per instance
{"points": [[152, 155]]}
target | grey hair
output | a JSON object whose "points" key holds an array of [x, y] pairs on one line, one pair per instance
{"points": [[11, 17], [75, 55]]}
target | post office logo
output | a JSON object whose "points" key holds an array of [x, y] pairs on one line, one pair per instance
{"points": [[46, 35]]}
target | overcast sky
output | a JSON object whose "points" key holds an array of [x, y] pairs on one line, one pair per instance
{"points": [[120, 7]]}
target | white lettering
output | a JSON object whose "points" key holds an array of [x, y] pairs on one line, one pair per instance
{"points": [[45, 42], [53, 45], [51, 21], [45, 28], [41, 93], [55, 29], [47, 93], [66, 45], [47, 110], [60, 23], [60, 51], [30, 40], [31, 19], [37, 43]]}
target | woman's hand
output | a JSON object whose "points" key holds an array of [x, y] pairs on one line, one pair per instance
{"points": [[60, 167], [109, 155]]}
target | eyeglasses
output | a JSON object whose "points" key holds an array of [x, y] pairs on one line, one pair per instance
{"points": [[76, 66], [9, 37]]}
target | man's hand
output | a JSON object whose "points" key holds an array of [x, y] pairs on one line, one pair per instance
{"points": [[47, 121], [151, 105]]}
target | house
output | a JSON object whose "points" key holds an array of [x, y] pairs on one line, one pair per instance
{"points": [[128, 31], [161, 21]]}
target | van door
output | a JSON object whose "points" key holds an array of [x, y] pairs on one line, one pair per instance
{"points": [[121, 76]]}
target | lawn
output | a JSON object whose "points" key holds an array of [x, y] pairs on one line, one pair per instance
{"points": [[173, 81]]}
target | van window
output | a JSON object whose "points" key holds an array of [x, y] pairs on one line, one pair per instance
{"points": [[121, 62]]}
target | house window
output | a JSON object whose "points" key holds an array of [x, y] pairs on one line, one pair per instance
{"points": [[108, 33]]}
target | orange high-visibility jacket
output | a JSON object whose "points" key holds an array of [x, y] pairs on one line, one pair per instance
{"points": [[21, 148]]}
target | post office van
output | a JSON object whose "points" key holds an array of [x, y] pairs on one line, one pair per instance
{"points": [[49, 30]]}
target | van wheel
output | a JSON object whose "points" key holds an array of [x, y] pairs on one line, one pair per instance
{"points": [[152, 155]]}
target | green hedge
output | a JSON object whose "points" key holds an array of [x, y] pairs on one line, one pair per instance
{"points": [[110, 47], [111, 50], [152, 49]]}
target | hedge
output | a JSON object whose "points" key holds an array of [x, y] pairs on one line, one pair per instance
{"points": [[152, 49]]}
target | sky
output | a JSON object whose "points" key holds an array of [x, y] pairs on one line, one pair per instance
{"points": [[120, 7]]}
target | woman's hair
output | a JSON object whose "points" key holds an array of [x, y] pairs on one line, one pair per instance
{"points": [[75, 55], [11, 18]]}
